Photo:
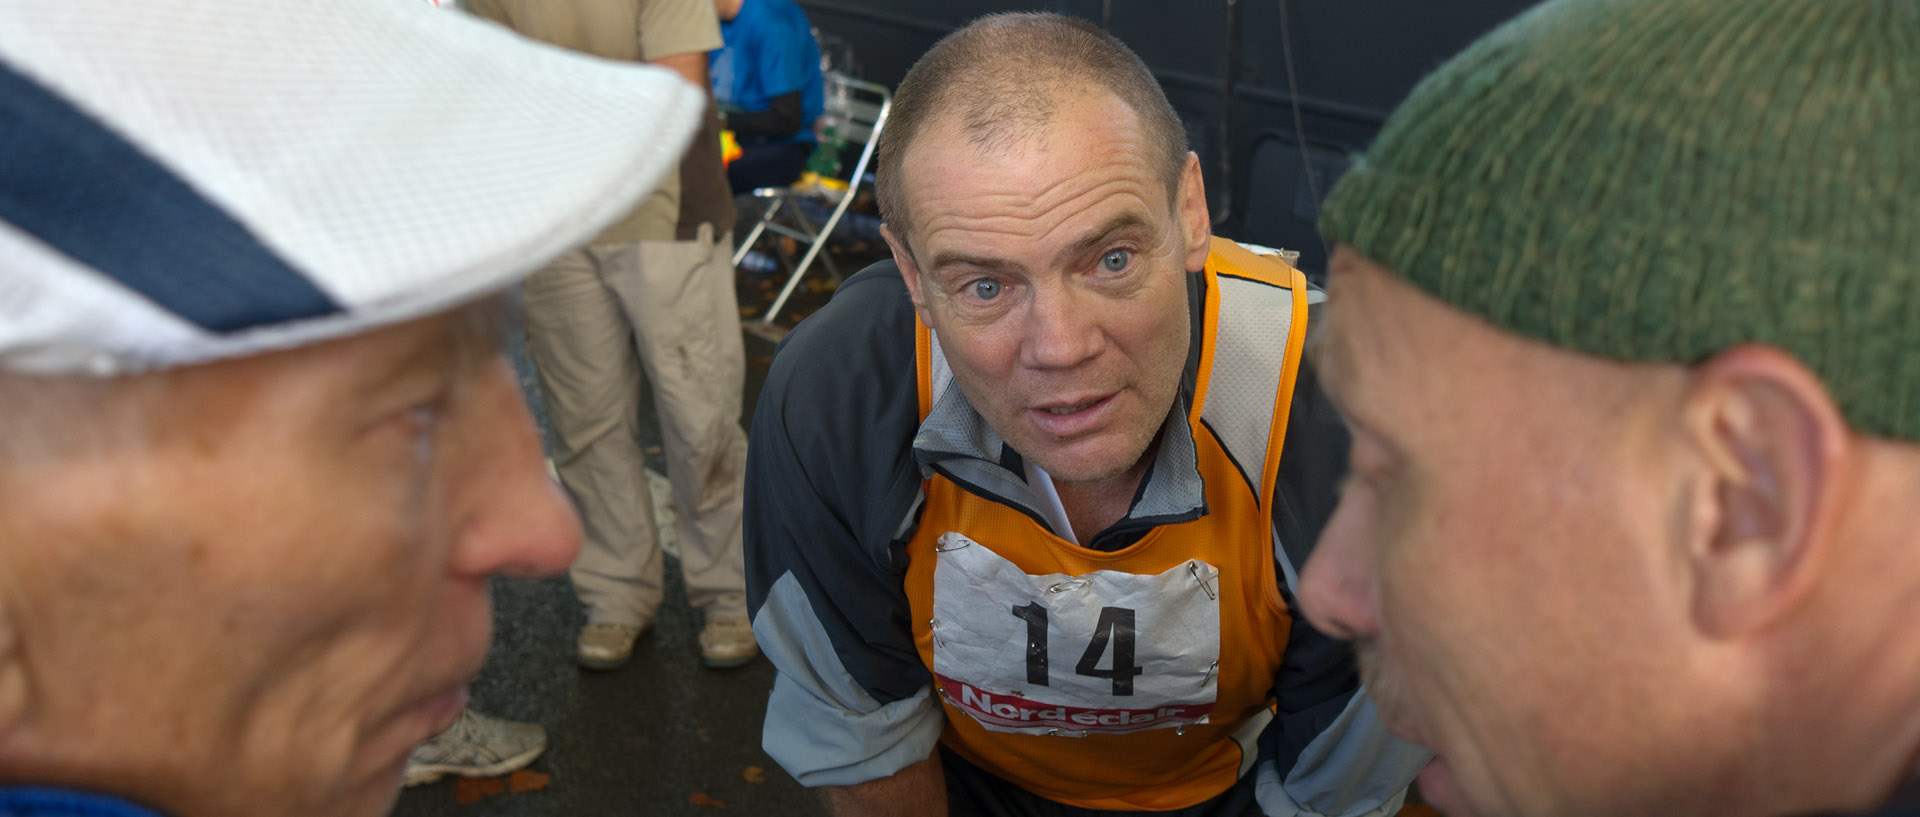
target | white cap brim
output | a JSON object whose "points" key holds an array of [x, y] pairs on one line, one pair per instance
{"points": [[199, 179]]}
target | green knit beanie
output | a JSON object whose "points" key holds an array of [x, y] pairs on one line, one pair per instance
{"points": [[1658, 180]]}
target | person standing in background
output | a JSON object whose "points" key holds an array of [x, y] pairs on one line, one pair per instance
{"points": [[768, 81], [653, 291], [638, 297]]}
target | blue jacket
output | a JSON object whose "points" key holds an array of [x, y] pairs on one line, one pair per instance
{"points": [[769, 52], [29, 801]]}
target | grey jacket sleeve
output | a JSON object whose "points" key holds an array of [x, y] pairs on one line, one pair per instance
{"points": [[1352, 768], [822, 726], [830, 478]]}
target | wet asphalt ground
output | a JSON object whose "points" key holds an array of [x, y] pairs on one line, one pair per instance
{"points": [[661, 736]]}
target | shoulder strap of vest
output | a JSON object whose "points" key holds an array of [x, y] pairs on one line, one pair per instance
{"points": [[1257, 313], [930, 367]]}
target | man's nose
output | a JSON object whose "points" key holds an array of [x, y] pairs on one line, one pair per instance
{"points": [[1338, 591], [516, 520], [1062, 329]]}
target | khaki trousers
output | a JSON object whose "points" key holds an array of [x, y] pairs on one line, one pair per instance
{"points": [[596, 318]]}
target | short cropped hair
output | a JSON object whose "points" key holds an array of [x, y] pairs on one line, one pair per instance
{"points": [[1002, 78]]}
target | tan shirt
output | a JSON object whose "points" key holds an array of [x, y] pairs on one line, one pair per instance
{"points": [[628, 30]]}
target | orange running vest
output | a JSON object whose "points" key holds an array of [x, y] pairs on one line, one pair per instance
{"points": [[1136, 679]]}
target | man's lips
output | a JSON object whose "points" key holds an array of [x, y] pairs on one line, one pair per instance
{"points": [[442, 710], [1070, 416], [435, 708], [1071, 406], [1440, 790], [413, 723]]}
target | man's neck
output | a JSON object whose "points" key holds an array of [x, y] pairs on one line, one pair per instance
{"points": [[1093, 507]]}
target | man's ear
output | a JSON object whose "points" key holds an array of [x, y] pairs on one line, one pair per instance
{"points": [[909, 271], [1195, 222], [1772, 445]]}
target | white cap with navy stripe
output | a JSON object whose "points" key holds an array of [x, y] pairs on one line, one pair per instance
{"points": [[199, 179]]}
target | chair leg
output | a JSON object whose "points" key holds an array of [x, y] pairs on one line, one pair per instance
{"points": [[808, 234], [758, 228], [806, 227], [813, 251]]}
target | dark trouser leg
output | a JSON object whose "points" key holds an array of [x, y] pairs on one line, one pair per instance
{"points": [[975, 792], [768, 164]]}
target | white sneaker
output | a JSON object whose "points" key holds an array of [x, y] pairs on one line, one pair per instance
{"points": [[727, 642], [606, 646], [476, 746]]}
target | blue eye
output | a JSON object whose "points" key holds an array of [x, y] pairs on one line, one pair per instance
{"points": [[421, 424], [986, 290], [1116, 260], [424, 417]]}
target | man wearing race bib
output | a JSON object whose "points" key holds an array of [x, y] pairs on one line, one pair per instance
{"points": [[1025, 504]]}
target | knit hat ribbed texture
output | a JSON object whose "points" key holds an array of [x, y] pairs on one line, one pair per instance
{"points": [[1658, 180]]}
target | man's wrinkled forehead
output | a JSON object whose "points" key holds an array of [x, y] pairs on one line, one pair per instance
{"points": [[955, 144], [1390, 350], [1382, 340], [456, 341], [1330, 341], [346, 375], [961, 145]]}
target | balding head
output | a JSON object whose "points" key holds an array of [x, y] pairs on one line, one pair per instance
{"points": [[1002, 79]]}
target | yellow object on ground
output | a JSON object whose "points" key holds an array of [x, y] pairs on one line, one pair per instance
{"points": [[825, 184]]}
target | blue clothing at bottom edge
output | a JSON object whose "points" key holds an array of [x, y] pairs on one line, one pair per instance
{"points": [[30, 801], [1905, 802]]}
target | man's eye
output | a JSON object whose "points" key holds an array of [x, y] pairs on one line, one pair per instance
{"points": [[421, 424], [1116, 260], [985, 290], [423, 417]]}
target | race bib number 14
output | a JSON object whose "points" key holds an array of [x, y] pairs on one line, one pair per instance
{"points": [[1103, 652]]}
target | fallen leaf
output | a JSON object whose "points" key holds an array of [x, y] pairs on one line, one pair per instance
{"points": [[754, 774], [701, 798], [1418, 810], [472, 790], [527, 780]]}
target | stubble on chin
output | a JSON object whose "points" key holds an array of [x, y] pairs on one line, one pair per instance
{"points": [[1381, 687]]}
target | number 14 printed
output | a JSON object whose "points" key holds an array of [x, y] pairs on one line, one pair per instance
{"points": [[1115, 625]]}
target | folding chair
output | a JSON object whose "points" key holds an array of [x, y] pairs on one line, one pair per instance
{"points": [[856, 111]]}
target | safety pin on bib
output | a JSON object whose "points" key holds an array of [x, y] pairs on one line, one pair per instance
{"points": [[1070, 584], [943, 547], [1193, 569]]}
